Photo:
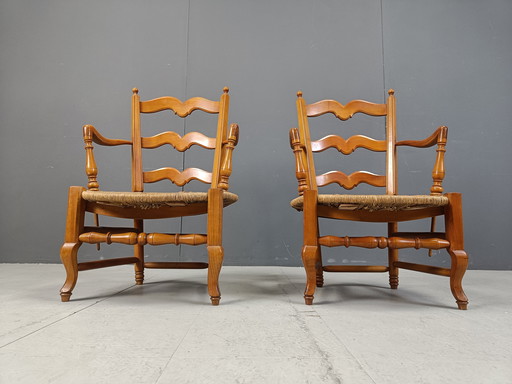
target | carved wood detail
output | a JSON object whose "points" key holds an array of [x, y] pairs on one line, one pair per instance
{"points": [[298, 150], [227, 154], [180, 108], [177, 177], [354, 179], [349, 145], [383, 242], [345, 112], [132, 238], [179, 143]]}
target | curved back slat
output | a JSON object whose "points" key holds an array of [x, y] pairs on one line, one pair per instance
{"points": [[179, 143], [352, 180], [177, 177], [349, 145], [181, 108], [345, 112]]}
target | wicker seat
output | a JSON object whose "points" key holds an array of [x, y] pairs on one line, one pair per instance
{"points": [[153, 200], [389, 208], [375, 202], [140, 206]]}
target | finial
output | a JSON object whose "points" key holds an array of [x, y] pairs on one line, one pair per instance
{"points": [[391, 92], [135, 91], [226, 89], [299, 94]]}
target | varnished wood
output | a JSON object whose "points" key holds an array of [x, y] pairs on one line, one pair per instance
{"points": [[175, 265], [423, 268], [309, 183], [356, 268], [88, 265], [177, 177], [223, 143], [352, 180], [179, 143], [383, 242], [348, 146]]}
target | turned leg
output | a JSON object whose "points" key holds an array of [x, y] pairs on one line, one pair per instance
{"points": [[69, 251], [215, 258], [68, 255], [138, 252], [459, 258], [392, 258], [214, 246], [309, 256], [319, 264]]}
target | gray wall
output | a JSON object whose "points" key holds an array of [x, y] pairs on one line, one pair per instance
{"points": [[67, 63]]}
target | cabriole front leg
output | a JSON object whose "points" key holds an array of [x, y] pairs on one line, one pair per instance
{"points": [[215, 258], [309, 257], [68, 255]]}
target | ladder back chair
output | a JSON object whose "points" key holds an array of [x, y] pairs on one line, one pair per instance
{"points": [[139, 205], [390, 208]]}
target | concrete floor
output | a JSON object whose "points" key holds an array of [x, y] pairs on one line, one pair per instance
{"points": [[358, 331]]}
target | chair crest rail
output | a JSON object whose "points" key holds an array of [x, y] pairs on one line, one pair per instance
{"points": [[180, 108], [345, 112]]}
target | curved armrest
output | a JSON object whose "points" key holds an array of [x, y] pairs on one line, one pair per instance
{"points": [[92, 135], [439, 137], [298, 150], [226, 157]]}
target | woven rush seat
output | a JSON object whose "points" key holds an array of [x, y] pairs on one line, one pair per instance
{"points": [[150, 200], [375, 202]]}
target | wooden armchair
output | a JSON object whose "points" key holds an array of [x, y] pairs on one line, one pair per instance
{"points": [[139, 205], [390, 208]]}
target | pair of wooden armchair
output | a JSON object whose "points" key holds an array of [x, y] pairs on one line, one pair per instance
{"points": [[138, 205]]}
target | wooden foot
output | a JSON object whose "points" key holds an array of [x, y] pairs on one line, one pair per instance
{"points": [[215, 300], [393, 282], [64, 297], [139, 278], [68, 255], [308, 300], [309, 253], [462, 305], [458, 268], [215, 258]]}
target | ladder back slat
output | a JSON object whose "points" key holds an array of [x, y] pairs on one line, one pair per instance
{"points": [[177, 177], [179, 143], [349, 145], [352, 180]]}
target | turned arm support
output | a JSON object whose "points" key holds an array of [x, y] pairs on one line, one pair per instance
{"points": [[298, 151], [439, 137], [92, 135], [227, 155]]}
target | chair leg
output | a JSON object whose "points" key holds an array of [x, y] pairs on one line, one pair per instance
{"points": [[319, 268], [309, 257], [459, 258], [392, 259], [458, 268], [138, 252], [68, 255], [69, 251], [215, 258]]}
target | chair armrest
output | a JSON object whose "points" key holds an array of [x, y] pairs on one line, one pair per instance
{"points": [[226, 157], [298, 151], [92, 135], [439, 137]]}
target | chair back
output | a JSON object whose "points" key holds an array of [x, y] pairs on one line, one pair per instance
{"points": [[182, 109], [303, 141]]}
